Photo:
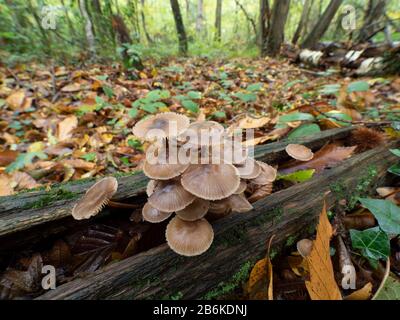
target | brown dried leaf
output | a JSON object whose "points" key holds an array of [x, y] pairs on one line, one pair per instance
{"points": [[362, 294], [7, 157], [6, 187], [66, 127]]}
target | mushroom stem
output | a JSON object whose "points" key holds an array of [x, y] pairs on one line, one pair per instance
{"points": [[121, 205]]}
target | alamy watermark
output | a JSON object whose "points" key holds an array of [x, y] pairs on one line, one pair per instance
{"points": [[49, 17]]}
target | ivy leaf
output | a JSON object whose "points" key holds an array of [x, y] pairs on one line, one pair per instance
{"points": [[108, 91], [296, 116], [329, 89], [304, 130], [255, 87], [219, 114], [246, 97], [395, 169], [133, 112], [390, 289], [386, 212], [358, 86], [190, 105], [372, 243], [298, 176], [396, 152], [195, 95], [89, 156]]}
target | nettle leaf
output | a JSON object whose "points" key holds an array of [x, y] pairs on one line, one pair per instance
{"points": [[24, 159], [330, 89], [298, 176], [358, 86], [395, 169], [190, 105], [108, 91], [246, 97], [386, 212], [296, 116], [195, 95], [396, 152], [372, 243], [255, 87], [304, 130]]}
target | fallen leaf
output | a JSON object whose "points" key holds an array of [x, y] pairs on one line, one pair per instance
{"points": [[362, 294], [80, 164], [66, 127], [322, 284], [73, 87], [7, 157], [6, 188], [16, 100], [24, 181]]}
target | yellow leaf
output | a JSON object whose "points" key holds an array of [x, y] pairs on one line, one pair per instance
{"points": [[36, 147], [322, 284], [362, 294], [66, 127], [392, 133], [73, 87], [16, 100]]}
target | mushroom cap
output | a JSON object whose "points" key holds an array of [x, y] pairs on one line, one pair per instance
{"points": [[220, 207], [250, 169], [211, 181], [153, 215], [258, 192], [151, 186], [194, 211], [242, 187], [163, 171], [203, 133], [304, 247], [299, 152], [189, 238], [95, 198], [239, 203], [267, 175], [170, 196], [166, 125]]}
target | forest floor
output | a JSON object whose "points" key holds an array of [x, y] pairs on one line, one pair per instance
{"points": [[65, 123]]}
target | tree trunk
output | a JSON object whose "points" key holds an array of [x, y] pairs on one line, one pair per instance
{"points": [[372, 21], [322, 25], [248, 17], [146, 33], [180, 28], [265, 15], [88, 28], [276, 32], [200, 18], [303, 20], [239, 239], [218, 20]]}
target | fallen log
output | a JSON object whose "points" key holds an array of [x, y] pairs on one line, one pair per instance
{"points": [[240, 239], [50, 210]]}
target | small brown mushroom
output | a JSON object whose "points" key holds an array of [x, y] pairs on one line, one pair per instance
{"points": [[194, 211], [95, 198], [170, 196], [162, 171], [151, 186], [203, 133], [299, 152], [211, 181], [189, 238], [304, 247], [239, 203], [166, 125], [250, 169], [268, 174], [153, 215], [242, 187]]}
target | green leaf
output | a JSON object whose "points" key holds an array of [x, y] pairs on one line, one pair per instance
{"points": [[396, 152], [330, 89], [395, 169], [152, 107], [372, 243], [133, 112], [158, 95], [386, 212], [336, 117], [255, 87], [89, 156], [219, 114], [2, 102], [390, 289], [298, 176], [195, 95], [108, 91], [24, 159], [296, 116], [292, 83], [190, 105], [304, 130], [358, 86], [246, 97], [134, 143]]}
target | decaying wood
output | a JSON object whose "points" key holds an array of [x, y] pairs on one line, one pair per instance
{"points": [[36, 208], [240, 238]]}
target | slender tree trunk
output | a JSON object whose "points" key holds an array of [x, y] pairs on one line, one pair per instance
{"points": [[303, 20], [45, 35], [88, 28], [218, 20], [146, 33], [322, 25], [372, 20], [276, 33], [248, 17], [180, 28], [200, 17], [265, 15]]}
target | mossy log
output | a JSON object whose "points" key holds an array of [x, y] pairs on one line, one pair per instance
{"points": [[240, 239], [37, 208]]}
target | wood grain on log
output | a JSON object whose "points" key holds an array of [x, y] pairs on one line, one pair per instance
{"points": [[288, 215], [29, 209]]}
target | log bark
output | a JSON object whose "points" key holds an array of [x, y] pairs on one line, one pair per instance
{"points": [[287, 215], [322, 25], [29, 209]]}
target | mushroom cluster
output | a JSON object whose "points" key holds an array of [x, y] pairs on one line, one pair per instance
{"points": [[199, 174]]}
